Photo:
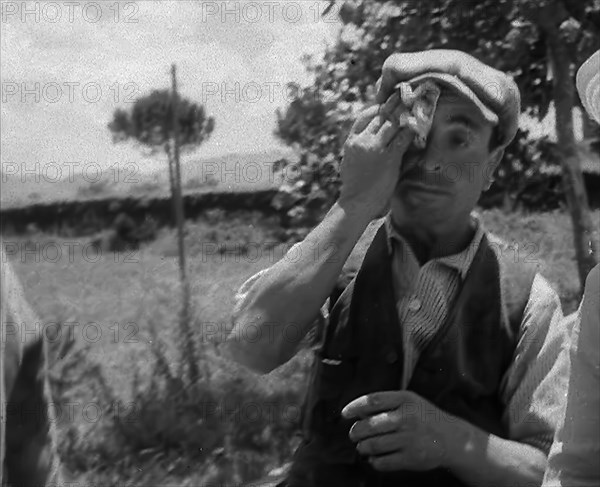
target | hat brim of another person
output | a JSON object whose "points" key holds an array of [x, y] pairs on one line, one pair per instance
{"points": [[588, 85], [451, 81]]}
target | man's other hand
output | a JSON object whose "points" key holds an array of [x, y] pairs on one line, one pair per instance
{"points": [[399, 430]]}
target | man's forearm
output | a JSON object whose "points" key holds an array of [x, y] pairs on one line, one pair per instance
{"points": [[481, 459], [285, 301]]}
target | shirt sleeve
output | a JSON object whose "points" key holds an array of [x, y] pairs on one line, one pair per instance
{"points": [[241, 296], [535, 384], [573, 458], [248, 287]]}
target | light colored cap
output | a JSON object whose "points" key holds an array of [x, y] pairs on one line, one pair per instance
{"points": [[451, 81], [588, 85]]}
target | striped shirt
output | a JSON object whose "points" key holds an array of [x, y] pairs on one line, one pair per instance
{"points": [[424, 295]]}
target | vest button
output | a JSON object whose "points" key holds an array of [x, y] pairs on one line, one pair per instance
{"points": [[391, 357], [414, 304]]}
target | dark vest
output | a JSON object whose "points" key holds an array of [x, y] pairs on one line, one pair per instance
{"points": [[459, 371]]}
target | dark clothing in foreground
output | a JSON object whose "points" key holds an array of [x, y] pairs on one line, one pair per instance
{"points": [[28, 451]]}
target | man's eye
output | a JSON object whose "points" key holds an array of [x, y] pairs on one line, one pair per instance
{"points": [[459, 141], [459, 138]]}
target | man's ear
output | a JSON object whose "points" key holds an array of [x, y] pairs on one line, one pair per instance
{"points": [[493, 162]]}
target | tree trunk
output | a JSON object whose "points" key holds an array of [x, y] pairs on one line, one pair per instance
{"points": [[186, 332], [563, 94], [171, 182]]}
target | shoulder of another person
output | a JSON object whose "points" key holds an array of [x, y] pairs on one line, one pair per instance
{"points": [[592, 281], [591, 294]]}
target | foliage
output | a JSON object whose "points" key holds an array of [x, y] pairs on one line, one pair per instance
{"points": [[150, 122], [522, 178], [229, 425], [216, 422], [196, 183], [502, 33], [93, 189]]}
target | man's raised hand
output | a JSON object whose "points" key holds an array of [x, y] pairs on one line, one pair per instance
{"points": [[372, 158]]}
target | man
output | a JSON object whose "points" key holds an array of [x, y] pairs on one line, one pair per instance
{"points": [[573, 459], [437, 365], [28, 455]]}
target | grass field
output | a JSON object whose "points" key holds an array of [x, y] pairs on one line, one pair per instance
{"points": [[134, 420]]}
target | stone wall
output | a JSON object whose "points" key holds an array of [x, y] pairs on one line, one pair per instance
{"points": [[80, 218], [88, 217]]}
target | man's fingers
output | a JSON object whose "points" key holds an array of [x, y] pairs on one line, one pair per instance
{"points": [[379, 120], [391, 462], [388, 80], [372, 118], [391, 133], [388, 422], [364, 119], [374, 403], [377, 90], [379, 424], [377, 124], [382, 444], [385, 87], [391, 106]]}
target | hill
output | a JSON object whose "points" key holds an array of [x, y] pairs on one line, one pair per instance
{"points": [[229, 172]]}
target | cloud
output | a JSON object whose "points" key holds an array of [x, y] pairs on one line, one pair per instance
{"points": [[63, 80]]}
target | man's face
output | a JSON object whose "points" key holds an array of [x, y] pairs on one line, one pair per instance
{"points": [[444, 181]]}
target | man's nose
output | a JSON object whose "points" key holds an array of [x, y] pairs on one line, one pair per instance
{"points": [[429, 159], [433, 157]]}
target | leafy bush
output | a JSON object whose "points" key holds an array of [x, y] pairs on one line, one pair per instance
{"points": [[235, 233], [93, 189], [147, 187], [196, 183], [226, 420], [523, 177], [84, 444], [230, 425]]}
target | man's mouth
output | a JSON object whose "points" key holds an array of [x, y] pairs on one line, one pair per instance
{"points": [[418, 179], [415, 185]]}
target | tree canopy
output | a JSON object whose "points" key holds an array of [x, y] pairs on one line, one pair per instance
{"points": [[506, 34], [150, 122]]}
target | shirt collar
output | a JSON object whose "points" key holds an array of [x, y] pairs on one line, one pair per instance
{"points": [[460, 261]]}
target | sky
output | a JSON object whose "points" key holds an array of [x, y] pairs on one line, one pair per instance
{"points": [[66, 66]]}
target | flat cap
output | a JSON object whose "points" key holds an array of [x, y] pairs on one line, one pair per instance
{"points": [[493, 92]]}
